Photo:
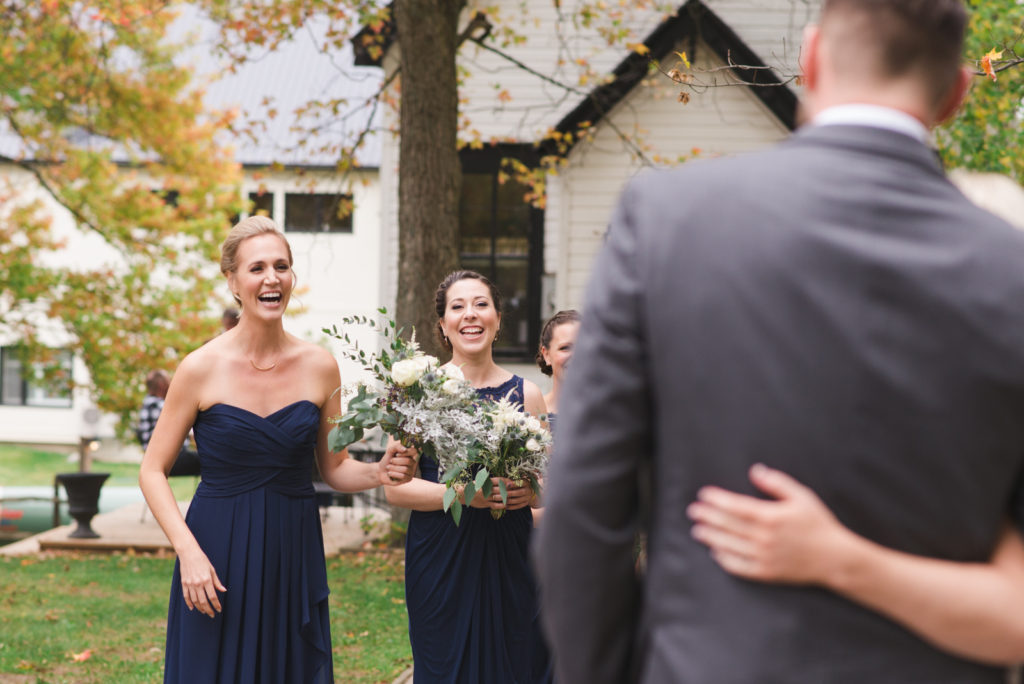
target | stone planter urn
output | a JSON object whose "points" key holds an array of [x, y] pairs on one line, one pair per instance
{"points": [[83, 500]]}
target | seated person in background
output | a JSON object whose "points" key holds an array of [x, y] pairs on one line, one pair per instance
{"points": [[157, 383]]}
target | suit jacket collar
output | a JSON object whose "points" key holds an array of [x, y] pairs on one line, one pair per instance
{"points": [[872, 140]]}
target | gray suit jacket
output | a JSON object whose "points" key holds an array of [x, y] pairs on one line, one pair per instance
{"points": [[832, 307]]}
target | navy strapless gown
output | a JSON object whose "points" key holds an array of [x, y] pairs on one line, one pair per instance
{"points": [[470, 591], [255, 517]]}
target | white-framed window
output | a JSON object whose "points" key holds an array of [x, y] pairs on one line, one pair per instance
{"points": [[311, 212], [30, 386]]}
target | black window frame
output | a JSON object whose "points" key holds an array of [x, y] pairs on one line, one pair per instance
{"points": [[348, 227], [488, 160]]}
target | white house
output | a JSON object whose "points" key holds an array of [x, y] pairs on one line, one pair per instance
{"points": [[540, 258]]}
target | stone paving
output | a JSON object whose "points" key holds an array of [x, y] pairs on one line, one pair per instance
{"points": [[128, 528]]}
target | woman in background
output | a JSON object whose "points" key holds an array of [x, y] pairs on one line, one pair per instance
{"points": [[557, 340]]}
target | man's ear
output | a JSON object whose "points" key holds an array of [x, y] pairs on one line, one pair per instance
{"points": [[955, 97], [809, 57]]}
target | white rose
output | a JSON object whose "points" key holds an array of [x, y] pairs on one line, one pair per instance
{"points": [[452, 371], [451, 386], [533, 445], [406, 372], [425, 361], [532, 424]]}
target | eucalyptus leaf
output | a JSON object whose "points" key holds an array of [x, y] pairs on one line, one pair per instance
{"points": [[468, 493], [481, 477], [449, 496], [457, 511], [504, 492]]}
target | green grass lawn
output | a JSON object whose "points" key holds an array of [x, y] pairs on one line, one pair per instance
{"points": [[111, 611], [24, 466]]}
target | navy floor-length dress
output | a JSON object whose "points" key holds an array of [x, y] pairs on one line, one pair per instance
{"points": [[255, 517], [470, 591]]}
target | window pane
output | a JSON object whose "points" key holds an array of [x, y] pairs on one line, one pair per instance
{"points": [[262, 204], [513, 220], [51, 392], [317, 213], [475, 209], [10, 373]]}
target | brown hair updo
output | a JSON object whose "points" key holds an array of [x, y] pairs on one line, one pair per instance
{"points": [[548, 331], [242, 231], [441, 298]]}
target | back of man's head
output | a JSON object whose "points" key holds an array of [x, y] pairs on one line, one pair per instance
{"points": [[157, 382], [890, 40]]}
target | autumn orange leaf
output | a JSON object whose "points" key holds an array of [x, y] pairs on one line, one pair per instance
{"points": [[986, 62], [83, 656]]}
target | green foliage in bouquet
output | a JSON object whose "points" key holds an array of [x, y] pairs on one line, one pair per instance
{"points": [[477, 446]]}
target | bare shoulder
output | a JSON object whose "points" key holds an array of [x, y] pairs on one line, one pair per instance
{"points": [[533, 398], [199, 363], [319, 362]]}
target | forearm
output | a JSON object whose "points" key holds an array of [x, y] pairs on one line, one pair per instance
{"points": [[353, 476], [417, 495], [164, 507], [975, 610]]}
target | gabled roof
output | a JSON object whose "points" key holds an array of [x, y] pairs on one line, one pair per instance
{"points": [[693, 21]]}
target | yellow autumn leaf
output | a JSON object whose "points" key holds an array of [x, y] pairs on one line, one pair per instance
{"points": [[986, 62], [640, 48], [686, 60]]}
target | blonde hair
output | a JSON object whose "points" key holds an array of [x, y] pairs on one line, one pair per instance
{"points": [[242, 231]]}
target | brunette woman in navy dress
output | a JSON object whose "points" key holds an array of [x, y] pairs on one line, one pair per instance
{"points": [[469, 590], [249, 596]]}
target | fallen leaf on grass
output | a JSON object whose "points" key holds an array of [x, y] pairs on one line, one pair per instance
{"points": [[83, 656]]}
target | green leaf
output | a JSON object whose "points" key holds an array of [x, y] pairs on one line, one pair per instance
{"points": [[449, 496], [457, 511], [468, 493], [504, 492], [481, 477], [341, 436], [451, 474]]}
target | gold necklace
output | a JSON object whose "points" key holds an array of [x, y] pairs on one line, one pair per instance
{"points": [[268, 368]]}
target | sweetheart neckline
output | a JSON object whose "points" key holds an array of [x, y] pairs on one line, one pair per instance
{"points": [[253, 413]]}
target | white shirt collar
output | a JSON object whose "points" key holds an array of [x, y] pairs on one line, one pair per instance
{"points": [[874, 116]]}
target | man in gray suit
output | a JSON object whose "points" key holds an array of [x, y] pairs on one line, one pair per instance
{"points": [[832, 307]]}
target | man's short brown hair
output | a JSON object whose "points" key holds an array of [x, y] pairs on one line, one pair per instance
{"points": [[890, 39]]}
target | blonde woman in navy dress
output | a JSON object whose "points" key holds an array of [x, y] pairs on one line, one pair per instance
{"points": [[249, 596]]}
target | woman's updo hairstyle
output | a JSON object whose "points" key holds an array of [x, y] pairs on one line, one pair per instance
{"points": [[242, 231], [548, 332], [441, 298]]}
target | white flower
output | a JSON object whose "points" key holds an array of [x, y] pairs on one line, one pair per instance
{"points": [[533, 445], [452, 371], [407, 371], [532, 424], [425, 362], [451, 386]]}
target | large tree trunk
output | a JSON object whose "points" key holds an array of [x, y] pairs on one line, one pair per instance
{"points": [[429, 175]]}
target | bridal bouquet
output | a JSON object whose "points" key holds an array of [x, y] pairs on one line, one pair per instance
{"points": [[411, 398], [508, 444], [434, 409]]}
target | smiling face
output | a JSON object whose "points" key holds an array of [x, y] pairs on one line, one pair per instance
{"points": [[559, 352], [470, 319], [263, 279]]}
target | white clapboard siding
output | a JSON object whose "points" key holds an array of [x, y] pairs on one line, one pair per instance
{"points": [[551, 48], [723, 120]]}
